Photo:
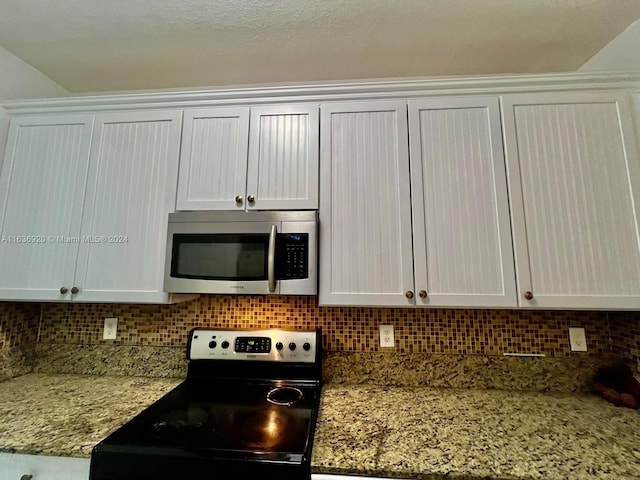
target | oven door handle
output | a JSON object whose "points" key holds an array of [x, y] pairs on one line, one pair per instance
{"points": [[271, 259]]}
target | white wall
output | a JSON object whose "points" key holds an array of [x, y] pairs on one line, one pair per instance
{"points": [[622, 53], [19, 80]]}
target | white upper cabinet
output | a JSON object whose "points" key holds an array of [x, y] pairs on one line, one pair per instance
{"points": [[283, 158], [42, 186], [85, 216], [130, 191], [461, 228], [574, 186], [213, 160], [262, 158], [365, 215]]}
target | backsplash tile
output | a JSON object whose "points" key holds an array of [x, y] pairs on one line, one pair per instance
{"points": [[350, 329], [438, 347], [625, 336], [18, 336], [18, 324]]}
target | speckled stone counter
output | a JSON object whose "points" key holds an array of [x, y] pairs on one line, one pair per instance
{"points": [[563, 374], [16, 361], [474, 434], [67, 415], [402, 432]]}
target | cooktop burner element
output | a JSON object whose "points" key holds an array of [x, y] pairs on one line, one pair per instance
{"points": [[286, 396], [247, 409]]}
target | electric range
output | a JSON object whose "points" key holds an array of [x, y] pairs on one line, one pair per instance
{"points": [[247, 409]]}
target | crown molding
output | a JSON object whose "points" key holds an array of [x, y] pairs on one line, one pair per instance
{"points": [[331, 91]]}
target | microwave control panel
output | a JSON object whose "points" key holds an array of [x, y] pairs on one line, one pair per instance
{"points": [[292, 256]]}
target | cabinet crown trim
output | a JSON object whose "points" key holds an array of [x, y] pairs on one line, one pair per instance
{"points": [[331, 91]]}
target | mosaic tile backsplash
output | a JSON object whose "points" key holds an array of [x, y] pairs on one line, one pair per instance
{"points": [[18, 324], [625, 336], [18, 336], [350, 329]]}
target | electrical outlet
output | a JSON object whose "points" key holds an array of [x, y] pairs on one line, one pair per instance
{"points": [[578, 340], [110, 328], [386, 336]]}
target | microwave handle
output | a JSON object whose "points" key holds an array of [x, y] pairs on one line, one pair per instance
{"points": [[271, 259]]}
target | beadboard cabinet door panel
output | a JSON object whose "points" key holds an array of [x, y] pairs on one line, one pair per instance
{"points": [[42, 187], [283, 158], [574, 185], [635, 101], [15, 466], [130, 192], [461, 228], [213, 159], [4, 132], [366, 253]]}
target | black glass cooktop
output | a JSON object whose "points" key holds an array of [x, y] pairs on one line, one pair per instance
{"points": [[240, 414], [263, 419]]}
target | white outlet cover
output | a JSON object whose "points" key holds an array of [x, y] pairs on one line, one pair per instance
{"points": [[110, 328], [577, 339], [386, 336]]}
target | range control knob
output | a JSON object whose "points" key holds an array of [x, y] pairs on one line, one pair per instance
{"points": [[306, 346], [224, 344], [279, 346], [292, 346], [213, 344]]}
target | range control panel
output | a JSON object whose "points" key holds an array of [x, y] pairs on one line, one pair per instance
{"points": [[255, 345]]}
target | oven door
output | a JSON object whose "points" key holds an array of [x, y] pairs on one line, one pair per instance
{"points": [[220, 257]]}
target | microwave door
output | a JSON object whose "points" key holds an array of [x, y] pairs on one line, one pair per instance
{"points": [[221, 258]]}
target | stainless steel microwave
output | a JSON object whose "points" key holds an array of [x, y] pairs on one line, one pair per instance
{"points": [[242, 252]]}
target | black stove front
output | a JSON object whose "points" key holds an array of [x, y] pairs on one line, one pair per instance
{"points": [[238, 415]]}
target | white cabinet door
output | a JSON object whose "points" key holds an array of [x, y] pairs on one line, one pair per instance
{"points": [[4, 131], [213, 159], [635, 101], [283, 158], [573, 176], [13, 466], [42, 187], [461, 228], [130, 191], [366, 253]]}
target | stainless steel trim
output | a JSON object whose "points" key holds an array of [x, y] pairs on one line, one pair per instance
{"points": [[305, 221], [280, 403], [244, 217], [271, 260]]}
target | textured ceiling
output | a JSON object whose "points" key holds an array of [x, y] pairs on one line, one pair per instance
{"points": [[137, 44]]}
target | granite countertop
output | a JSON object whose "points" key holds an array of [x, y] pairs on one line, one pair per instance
{"points": [[474, 434], [372, 430], [66, 415]]}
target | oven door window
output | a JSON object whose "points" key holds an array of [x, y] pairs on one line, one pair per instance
{"points": [[220, 256]]}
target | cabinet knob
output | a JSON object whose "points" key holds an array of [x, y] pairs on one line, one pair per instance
{"points": [[528, 295], [75, 290], [238, 199], [251, 198], [26, 477], [63, 290], [423, 294], [409, 294]]}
